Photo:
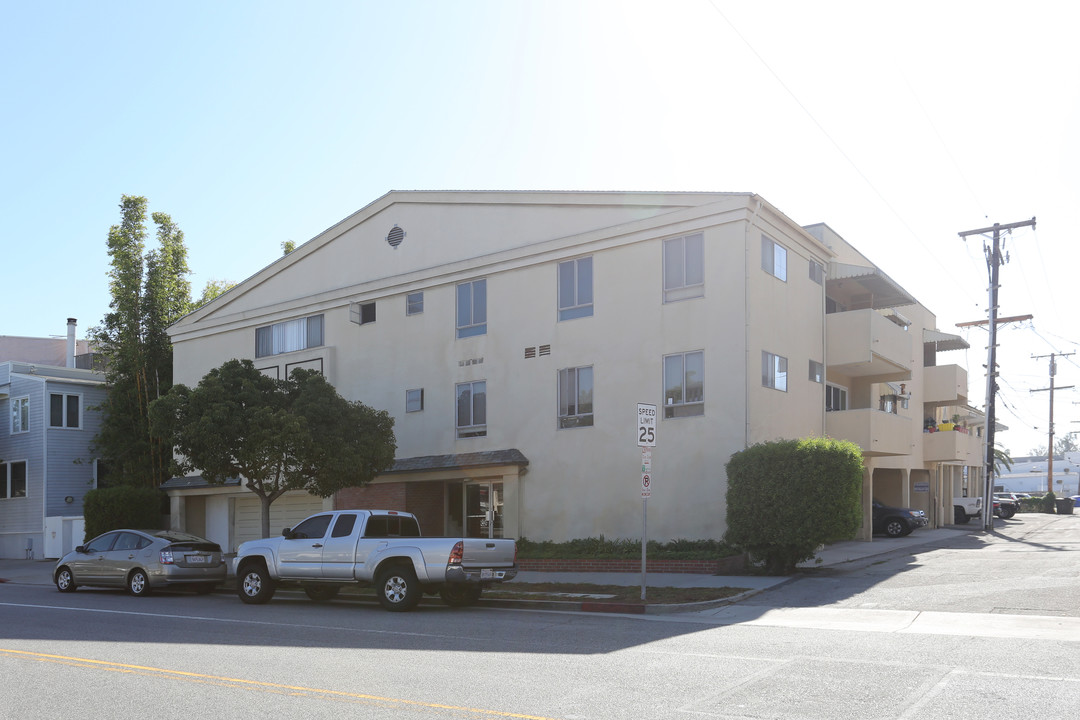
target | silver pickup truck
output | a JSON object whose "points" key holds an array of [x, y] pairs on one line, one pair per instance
{"points": [[383, 548]]}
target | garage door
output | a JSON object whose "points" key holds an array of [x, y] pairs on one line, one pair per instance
{"points": [[287, 511]]}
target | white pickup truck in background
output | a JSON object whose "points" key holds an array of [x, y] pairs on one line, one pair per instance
{"points": [[383, 548], [965, 508]]}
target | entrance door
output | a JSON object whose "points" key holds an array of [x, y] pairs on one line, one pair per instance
{"points": [[484, 510]]}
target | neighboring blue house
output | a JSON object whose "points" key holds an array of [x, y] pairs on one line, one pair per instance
{"points": [[46, 463]]}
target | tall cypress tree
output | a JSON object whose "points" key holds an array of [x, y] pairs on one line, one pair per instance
{"points": [[148, 294]]}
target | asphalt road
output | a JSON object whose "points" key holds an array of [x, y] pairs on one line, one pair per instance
{"points": [[851, 642]]}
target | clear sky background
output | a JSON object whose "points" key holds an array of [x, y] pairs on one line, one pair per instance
{"points": [[253, 123]]}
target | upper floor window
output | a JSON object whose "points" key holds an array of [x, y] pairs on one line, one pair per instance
{"points": [[12, 479], [684, 384], [362, 313], [684, 267], [414, 400], [817, 372], [20, 415], [773, 258], [575, 288], [289, 336], [64, 411], [817, 272], [414, 303], [472, 409], [472, 308], [835, 397], [773, 371], [576, 397]]}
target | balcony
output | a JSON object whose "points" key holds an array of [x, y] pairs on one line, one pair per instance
{"points": [[953, 446], [874, 431], [865, 344], [945, 385]]}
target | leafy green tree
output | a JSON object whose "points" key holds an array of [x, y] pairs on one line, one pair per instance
{"points": [[287, 247], [1002, 459], [276, 435], [1065, 443], [786, 498], [213, 289], [148, 294]]}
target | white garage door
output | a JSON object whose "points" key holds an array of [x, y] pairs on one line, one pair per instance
{"points": [[287, 511]]}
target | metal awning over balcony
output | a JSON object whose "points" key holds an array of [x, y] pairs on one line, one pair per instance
{"points": [[943, 341], [857, 287]]}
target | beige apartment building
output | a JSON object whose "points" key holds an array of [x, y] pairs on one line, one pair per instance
{"points": [[512, 336]]}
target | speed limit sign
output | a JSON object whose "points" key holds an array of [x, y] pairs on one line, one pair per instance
{"points": [[646, 425]]}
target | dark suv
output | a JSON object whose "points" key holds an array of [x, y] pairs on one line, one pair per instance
{"points": [[897, 522]]}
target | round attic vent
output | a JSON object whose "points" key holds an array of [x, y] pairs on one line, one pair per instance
{"points": [[396, 236]]}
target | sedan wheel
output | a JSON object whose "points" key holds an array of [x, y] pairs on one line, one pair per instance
{"points": [[138, 583], [894, 528], [65, 581]]}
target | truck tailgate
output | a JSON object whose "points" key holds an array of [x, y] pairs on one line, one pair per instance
{"points": [[480, 552]]}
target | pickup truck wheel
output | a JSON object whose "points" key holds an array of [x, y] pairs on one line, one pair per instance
{"points": [[321, 594], [460, 595], [398, 589], [894, 528], [959, 516], [254, 585]]}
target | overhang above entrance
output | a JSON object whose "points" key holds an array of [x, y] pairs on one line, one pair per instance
{"points": [[434, 463]]}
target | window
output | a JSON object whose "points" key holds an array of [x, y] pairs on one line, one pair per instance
{"points": [[312, 528], [13, 480], [414, 303], [817, 272], [576, 397], [380, 526], [684, 384], [289, 336], [773, 258], [366, 312], [774, 371], [472, 409], [101, 544], [344, 526], [575, 289], [20, 415], [817, 372], [684, 267], [414, 400], [835, 398], [64, 411], [472, 308]]}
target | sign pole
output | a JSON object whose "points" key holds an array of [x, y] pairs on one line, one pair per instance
{"points": [[646, 440]]}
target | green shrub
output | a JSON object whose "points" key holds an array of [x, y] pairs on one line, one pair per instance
{"points": [[125, 506], [590, 548], [788, 497], [1047, 502]]}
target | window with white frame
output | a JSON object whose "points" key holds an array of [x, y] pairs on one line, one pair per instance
{"points": [[414, 303], [575, 397], [471, 409], [684, 384], [289, 336], [472, 308], [835, 397], [414, 400], [65, 411], [817, 372], [684, 267], [12, 480], [817, 272], [773, 258], [773, 371], [20, 415], [575, 288]]}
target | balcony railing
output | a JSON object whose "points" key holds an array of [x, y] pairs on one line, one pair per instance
{"points": [[945, 385], [953, 446], [874, 431], [863, 343]]}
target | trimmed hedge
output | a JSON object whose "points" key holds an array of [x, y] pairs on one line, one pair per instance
{"points": [[602, 548], [788, 497], [125, 506]]}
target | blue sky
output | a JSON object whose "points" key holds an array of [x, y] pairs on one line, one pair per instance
{"points": [[253, 123]]}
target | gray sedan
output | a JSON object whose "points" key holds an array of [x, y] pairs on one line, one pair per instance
{"points": [[141, 560]]}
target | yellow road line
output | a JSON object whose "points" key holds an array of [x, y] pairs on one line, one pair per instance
{"points": [[181, 674]]}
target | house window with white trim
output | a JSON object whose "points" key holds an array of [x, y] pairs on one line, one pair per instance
{"points": [[774, 371], [575, 288], [575, 397], [12, 480], [414, 400], [472, 308], [684, 267], [835, 397], [817, 372], [414, 303], [65, 411], [20, 415], [773, 258], [471, 409], [289, 336], [684, 384]]}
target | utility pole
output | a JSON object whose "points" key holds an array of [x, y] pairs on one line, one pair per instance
{"points": [[993, 262], [1050, 445]]}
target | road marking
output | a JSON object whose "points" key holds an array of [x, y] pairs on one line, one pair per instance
{"points": [[258, 684]]}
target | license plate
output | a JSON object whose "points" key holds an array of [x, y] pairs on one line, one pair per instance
{"points": [[195, 559], [486, 573]]}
